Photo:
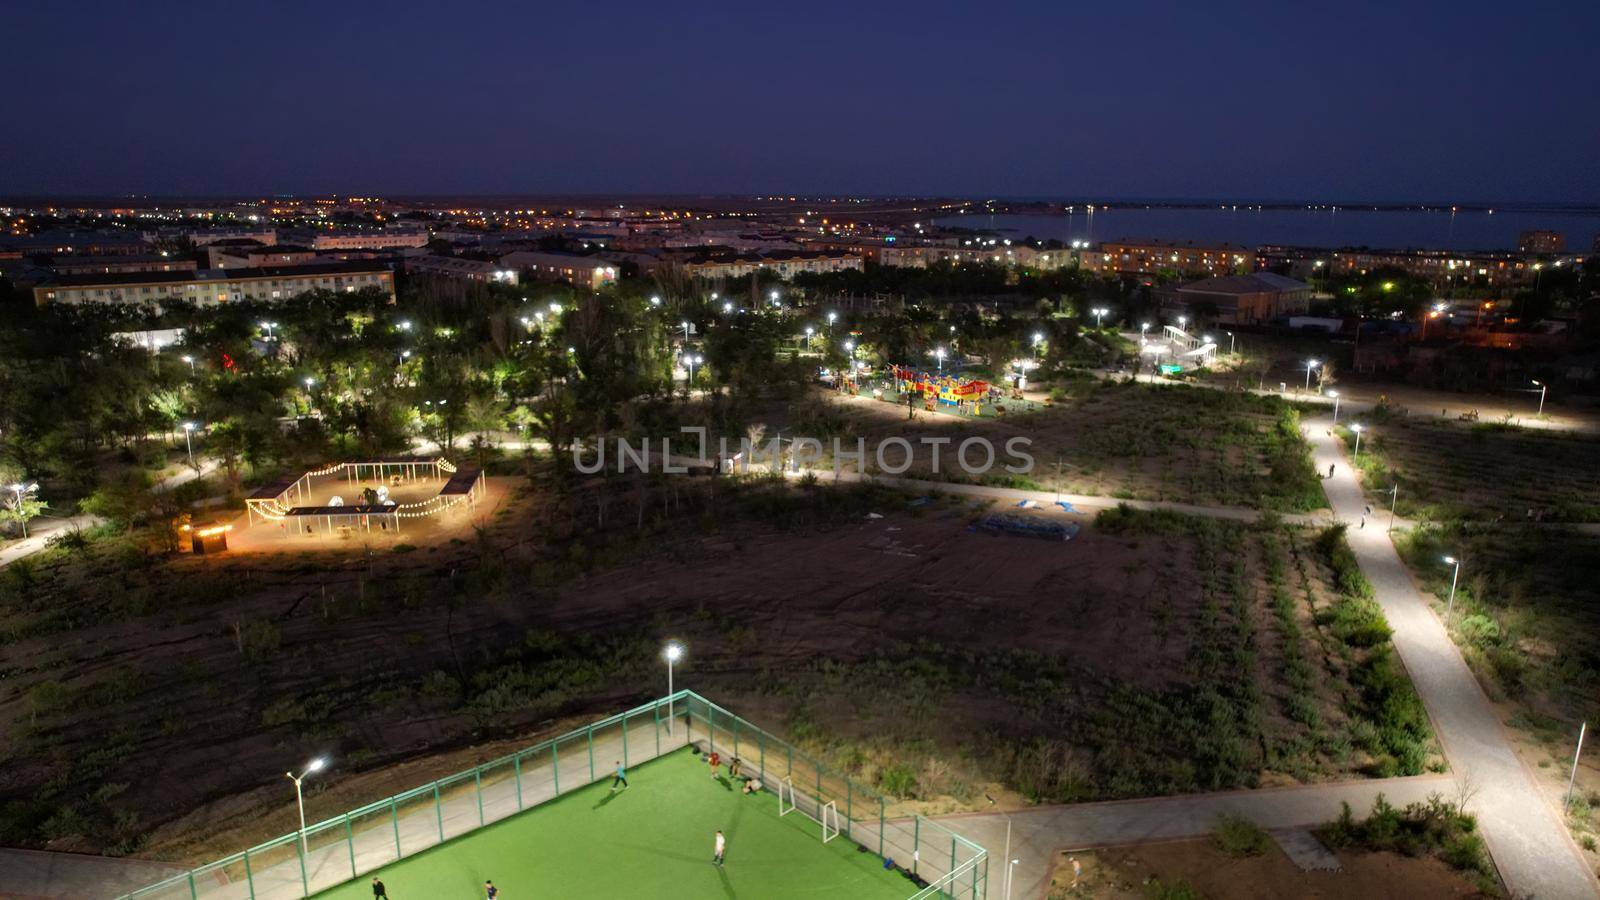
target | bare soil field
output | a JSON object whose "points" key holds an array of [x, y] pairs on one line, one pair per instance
{"points": [[1198, 870], [151, 702]]}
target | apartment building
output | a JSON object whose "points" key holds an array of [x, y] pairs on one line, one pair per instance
{"points": [[592, 272], [786, 264], [206, 286], [358, 240], [461, 269], [1143, 257]]}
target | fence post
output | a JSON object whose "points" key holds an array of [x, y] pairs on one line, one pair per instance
{"points": [[736, 738], [625, 741], [763, 743], [249, 877], [555, 767], [193, 895], [711, 728], [516, 767], [849, 799], [657, 712], [350, 844], [438, 810], [300, 851], [916, 842], [952, 853], [590, 731], [394, 814], [789, 771], [880, 825], [477, 779]]}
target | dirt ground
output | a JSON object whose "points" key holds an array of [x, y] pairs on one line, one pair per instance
{"points": [[1139, 872]]}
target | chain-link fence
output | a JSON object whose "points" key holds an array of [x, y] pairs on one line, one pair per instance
{"points": [[347, 846]]}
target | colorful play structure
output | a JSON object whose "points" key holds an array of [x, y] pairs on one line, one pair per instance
{"points": [[282, 501], [944, 390]]}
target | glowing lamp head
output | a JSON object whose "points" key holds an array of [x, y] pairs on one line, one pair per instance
{"points": [[674, 652], [316, 765], [1449, 560]]}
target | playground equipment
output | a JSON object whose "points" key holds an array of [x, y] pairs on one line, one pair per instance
{"points": [[945, 390]]}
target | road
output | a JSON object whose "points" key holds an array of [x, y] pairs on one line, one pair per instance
{"points": [[1526, 835]]}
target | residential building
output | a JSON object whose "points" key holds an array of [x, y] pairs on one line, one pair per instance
{"points": [[76, 243], [1238, 299], [784, 263], [1019, 256], [1438, 266], [107, 265], [592, 272], [1143, 257], [203, 237], [1538, 243], [461, 269], [226, 255], [207, 286], [359, 240]]}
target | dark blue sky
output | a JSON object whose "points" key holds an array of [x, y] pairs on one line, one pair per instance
{"points": [[1443, 100]]}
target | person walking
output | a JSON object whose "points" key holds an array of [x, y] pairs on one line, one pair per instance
{"points": [[1330, 470], [721, 845], [715, 761], [621, 778], [379, 892], [490, 892]]}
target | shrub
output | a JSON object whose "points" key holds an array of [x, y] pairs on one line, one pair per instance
{"points": [[898, 780], [1239, 837], [1173, 890]]}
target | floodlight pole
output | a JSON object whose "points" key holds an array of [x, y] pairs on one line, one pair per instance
{"points": [[1573, 778], [300, 801], [1454, 577], [1394, 497]]}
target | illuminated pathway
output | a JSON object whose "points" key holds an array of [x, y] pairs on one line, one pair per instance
{"points": [[1526, 836]]}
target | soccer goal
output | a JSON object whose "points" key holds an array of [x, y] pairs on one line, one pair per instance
{"points": [[786, 802], [830, 822]]}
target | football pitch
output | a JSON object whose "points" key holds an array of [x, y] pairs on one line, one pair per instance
{"points": [[653, 839]]}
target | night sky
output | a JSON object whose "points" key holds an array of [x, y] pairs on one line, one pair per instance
{"points": [[1441, 101]]}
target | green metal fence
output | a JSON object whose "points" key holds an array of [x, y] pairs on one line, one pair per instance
{"points": [[349, 845]]}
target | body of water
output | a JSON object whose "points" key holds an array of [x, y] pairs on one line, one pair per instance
{"points": [[1388, 229]]}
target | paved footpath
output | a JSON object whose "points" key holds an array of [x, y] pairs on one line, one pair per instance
{"points": [[1039, 833], [1526, 835]]}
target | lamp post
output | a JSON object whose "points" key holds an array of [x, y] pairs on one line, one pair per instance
{"points": [[1573, 778], [727, 307], [299, 798], [1143, 327], [1394, 497], [1310, 364], [1454, 577], [938, 354], [1038, 338], [1543, 389], [655, 300], [1182, 321], [20, 490], [692, 361], [685, 325], [1230, 342], [1099, 315], [269, 326], [672, 653], [1009, 861], [188, 439], [831, 317], [1335, 396], [1357, 428], [190, 361]]}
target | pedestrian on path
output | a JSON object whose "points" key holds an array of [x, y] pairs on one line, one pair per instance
{"points": [[621, 778], [1330, 470], [1363, 521], [379, 892], [490, 891], [733, 767], [721, 845]]}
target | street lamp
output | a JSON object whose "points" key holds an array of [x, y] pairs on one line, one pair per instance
{"points": [[727, 307], [188, 438], [1230, 342], [1335, 396], [1310, 364], [1143, 327], [685, 325], [269, 326], [403, 325], [655, 301], [1543, 389], [831, 317], [299, 798], [1099, 314], [1357, 428], [1394, 499], [1454, 577], [1182, 321], [20, 490], [190, 361], [1007, 817], [673, 653], [938, 353], [692, 361]]}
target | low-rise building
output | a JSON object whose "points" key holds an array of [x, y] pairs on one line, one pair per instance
{"points": [[207, 236], [461, 269], [1018, 256], [1444, 267], [76, 243], [1143, 257], [592, 272], [206, 286], [1238, 299]]}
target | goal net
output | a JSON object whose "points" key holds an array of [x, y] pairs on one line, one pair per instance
{"points": [[830, 822], [786, 802]]}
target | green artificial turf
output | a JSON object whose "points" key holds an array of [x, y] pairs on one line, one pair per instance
{"points": [[653, 839]]}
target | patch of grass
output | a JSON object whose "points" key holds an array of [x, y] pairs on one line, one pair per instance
{"points": [[1239, 837]]}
